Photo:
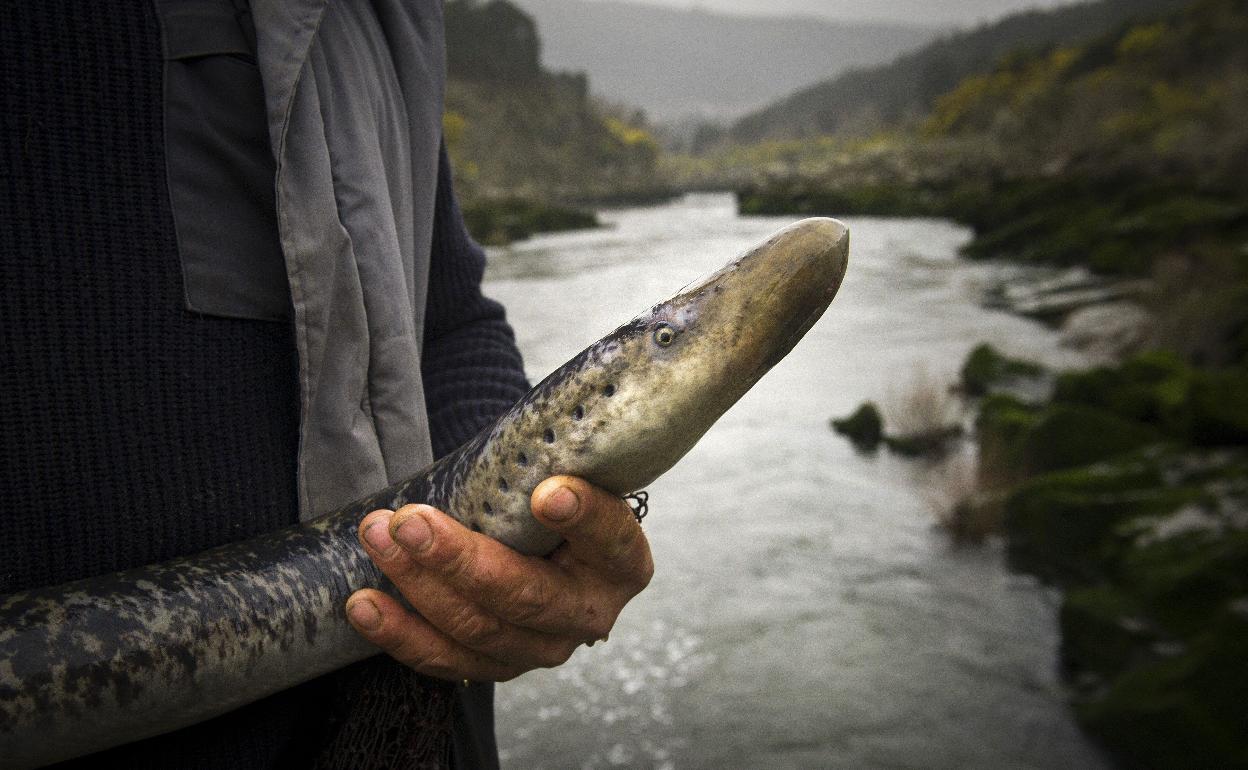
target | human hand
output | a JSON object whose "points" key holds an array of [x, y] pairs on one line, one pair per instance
{"points": [[486, 612]]}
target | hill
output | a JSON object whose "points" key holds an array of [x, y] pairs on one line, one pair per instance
{"points": [[678, 64], [522, 138], [867, 100]]}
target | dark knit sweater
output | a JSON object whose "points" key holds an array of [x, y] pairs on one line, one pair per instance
{"points": [[131, 429]]}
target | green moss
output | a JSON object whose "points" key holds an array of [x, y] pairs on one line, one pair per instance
{"points": [[864, 427], [802, 197], [1184, 579], [985, 367], [498, 222], [1070, 436], [1002, 423], [1102, 631], [1152, 388], [1181, 711], [1219, 406], [1064, 527]]}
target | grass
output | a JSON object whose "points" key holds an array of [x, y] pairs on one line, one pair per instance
{"points": [[922, 417], [964, 505]]}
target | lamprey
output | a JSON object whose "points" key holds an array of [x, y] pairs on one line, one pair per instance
{"points": [[115, 658]]}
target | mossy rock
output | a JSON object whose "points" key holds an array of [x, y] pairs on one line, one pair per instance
{"points": [[1104, 631], [1002, 424], [985, 367], [1185, 578], [1183, 711], [1065, 527], [1219, 407], [1151, 388], [864, 427], [1071, 436]]}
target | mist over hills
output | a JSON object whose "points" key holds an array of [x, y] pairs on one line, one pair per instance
{"points": [[869, 99], [683, 64]]}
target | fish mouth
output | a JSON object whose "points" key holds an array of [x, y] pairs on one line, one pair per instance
{"points": [[783, 287]]}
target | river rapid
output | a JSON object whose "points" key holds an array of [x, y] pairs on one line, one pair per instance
{"points": [[805, 611]]}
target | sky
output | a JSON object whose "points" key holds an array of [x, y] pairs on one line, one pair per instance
{"points": [[944, 13]]}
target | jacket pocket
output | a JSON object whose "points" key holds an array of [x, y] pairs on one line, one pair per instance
{"points": [[219, 162]]}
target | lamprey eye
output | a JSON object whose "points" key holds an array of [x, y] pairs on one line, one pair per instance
{"points": [[664, 335]]}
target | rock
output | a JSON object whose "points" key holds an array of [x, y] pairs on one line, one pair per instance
{"points": [[1151, 388], [1104, 632], [932, 443], [985, 367], [1107, 331], [1180, 710], [1053, 299], [1219, 408], [864, 428], [1071, 436], [1064, 527]]}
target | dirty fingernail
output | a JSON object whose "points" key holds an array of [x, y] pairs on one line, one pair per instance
{"points": [[561, 504], [414, 533], [378, 536], [364, 613]]}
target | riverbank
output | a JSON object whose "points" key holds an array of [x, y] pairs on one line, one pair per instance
{"points": [[1129, 490], [500, 221], [1126, 487]]}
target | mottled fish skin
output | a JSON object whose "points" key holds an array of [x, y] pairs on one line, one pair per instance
{"points": [[116, 658]]}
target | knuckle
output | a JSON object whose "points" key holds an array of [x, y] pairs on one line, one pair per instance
{"points": [[412, 655], [437, 665], [475, 629], [461, 565], [529, 601]]}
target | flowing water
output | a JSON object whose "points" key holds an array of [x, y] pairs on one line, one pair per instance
{"points": [[805, 611]]}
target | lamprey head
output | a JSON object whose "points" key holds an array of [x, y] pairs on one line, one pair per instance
{"points": [[636, 401]]}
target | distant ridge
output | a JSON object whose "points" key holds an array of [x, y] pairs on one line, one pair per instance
{"points": [[681, 64], [869, 99]]}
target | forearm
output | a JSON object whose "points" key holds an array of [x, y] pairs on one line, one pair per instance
{"points": [[471, 367]]}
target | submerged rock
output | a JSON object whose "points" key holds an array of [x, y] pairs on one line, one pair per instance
{"points": [[864, 428]]}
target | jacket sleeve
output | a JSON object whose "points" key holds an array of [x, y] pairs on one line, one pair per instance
{"points": [[471, 367]]}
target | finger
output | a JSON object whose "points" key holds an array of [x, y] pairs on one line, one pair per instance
{"points": [[600, 528], [374, 535], [476, 628], [521, 590], [411, 640]]}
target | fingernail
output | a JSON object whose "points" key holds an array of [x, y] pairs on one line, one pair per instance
{"points": [[364, 614], [561, 504], [414, 533], [378, 536]]}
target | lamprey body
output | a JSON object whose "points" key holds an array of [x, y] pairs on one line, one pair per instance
{"points": [[116, 658]]}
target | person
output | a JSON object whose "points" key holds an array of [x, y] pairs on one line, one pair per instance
{"points": [[228, 236]]}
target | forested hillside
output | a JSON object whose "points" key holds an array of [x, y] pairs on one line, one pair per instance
{"points": [[522, 138], [865, 101]]}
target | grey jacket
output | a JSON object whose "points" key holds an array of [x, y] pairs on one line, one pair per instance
{"points": [[354, 99]]}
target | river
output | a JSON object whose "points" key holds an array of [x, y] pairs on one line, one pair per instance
{"points": [[805, 611]]}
